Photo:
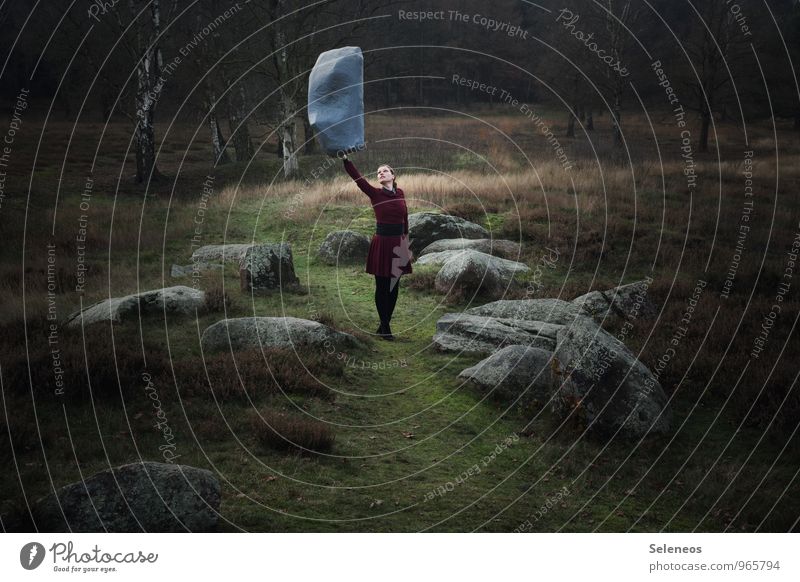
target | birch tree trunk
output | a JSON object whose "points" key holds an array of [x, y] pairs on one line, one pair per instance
{"points": [[237, 125], [218, 142], [288, 109], [148, 86]]}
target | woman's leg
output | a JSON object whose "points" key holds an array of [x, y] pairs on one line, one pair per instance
{"points": [[395, 288], [382, 300]]}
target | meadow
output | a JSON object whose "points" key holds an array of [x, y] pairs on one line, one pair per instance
{"points": [[397, 442]]}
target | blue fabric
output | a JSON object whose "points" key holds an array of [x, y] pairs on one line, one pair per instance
{"points": [[336, 100]]}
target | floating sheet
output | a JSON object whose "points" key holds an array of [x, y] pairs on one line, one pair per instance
{"points": [[336, 100]]}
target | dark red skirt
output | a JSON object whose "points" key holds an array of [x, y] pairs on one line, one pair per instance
{"points": [[388, 256]]}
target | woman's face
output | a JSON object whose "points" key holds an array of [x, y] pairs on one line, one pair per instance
{"points": [[385, 175]]}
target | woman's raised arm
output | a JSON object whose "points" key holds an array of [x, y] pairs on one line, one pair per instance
{"points": [[360, 181]]}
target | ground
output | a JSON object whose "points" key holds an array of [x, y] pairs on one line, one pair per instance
{"points": [[414, 449]]}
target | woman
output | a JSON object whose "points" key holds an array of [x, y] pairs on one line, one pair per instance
{"points": [[389, 256]]}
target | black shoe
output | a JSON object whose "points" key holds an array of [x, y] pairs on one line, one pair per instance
{"points": [[381, 333], [387, 334]]}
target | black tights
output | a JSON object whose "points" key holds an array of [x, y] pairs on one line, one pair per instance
{"points": [[386, 299]]}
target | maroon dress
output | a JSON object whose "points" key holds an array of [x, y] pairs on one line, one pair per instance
{"points": [[389, 255]]}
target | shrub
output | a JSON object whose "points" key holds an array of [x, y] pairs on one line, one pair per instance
{"points": [[255, 373], [108, 363], [217, 300], [421, 280], [284, 431], [325, 318]]}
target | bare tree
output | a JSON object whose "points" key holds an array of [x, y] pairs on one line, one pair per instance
{"points": [[296, 36], [621, 19], [238, 124], [715, 41]]}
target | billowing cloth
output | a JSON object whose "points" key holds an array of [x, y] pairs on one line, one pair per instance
{"points": [[336, 100]]}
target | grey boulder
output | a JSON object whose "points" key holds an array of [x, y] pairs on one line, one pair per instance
{"points": [[179, 300], [268, 266], [425, 228], [474, 272], [336, 100], [344, 246], [147, 496], [246, 333], [506, 267], [546, 309], [614, 390], [626, 301], [499, 248], [516, 374], [230, 253], [461, 332]]}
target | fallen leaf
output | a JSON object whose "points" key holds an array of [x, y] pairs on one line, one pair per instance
{"points": [[270, 478], [408, 435]]}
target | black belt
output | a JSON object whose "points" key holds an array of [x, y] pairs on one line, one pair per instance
{"points": [[384, 229]]}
